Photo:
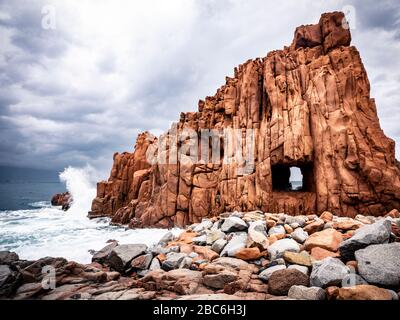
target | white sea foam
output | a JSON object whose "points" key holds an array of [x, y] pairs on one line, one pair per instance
{"points": [[49, 231]]}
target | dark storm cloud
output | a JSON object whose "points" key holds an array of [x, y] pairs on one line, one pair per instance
{"points": [[77, 94], [378, 14]]}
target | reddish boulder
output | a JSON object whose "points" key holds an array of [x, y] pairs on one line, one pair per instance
{"points": [[63, 200], [281, 281]]}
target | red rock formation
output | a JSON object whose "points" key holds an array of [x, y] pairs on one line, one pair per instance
{"points": [[63, 200], [309, 105]]}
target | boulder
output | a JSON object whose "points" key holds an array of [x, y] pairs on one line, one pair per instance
{"points": [[376, 233], [219, 245], [301, 221], [318, 253], [234, 263], [237, 242], [380, 264], [8, 257], [302, 258], [8, 280], [213, 235], [205, 252], [219, 280], [120, 256], [233, 224], [173, 260], [277, 249], [363, 292], [142, 262], [204, 225], [248, 254], [328, 239], [168, 237], [102, 255], [328, 272], [278, 229], [200, 240], [265, 274], [281, 281], [257, 234], [353, 279], [186, 263], [63, 200], [326, 216], [299, 235], [306, 293], [314, 226], [155, 264], [303, 269]]}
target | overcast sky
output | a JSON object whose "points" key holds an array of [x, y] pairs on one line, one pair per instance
{"points": [[110, 69]]}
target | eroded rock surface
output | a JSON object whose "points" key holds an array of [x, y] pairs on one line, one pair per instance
{"points": [[309, 105]]}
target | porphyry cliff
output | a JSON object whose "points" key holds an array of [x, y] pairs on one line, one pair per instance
{"points": [[307, 105]]}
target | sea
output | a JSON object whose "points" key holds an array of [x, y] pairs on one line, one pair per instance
{"points": [[33, 228]]}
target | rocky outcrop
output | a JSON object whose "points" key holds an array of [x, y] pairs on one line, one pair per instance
{"points": [[307, 105], [62, 200]]}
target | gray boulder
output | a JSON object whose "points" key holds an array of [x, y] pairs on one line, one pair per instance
{"points": [[277, 249], [257, 233], [8, 257], [102, 255], [328, 272], [380, 264], [186, 263], [219, 245], [306, 293], [301, 221], [155, 265], [214, 235], [277, 230], [204, 225], [200, 240], [9, 280], [237, 242], [168, 237], [121, 256], [299, 235], [233, 224], [376, 233], [265, 274], [353, 279], [303, 269], [173, 261]]}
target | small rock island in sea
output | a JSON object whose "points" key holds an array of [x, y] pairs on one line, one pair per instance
{"points": [[248, 235]]}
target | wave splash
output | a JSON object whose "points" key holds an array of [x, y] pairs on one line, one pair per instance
{"points": [[80, 183], [48, 231]]}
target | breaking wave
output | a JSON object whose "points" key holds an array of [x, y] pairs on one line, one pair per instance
{"points": [[48, 231]]}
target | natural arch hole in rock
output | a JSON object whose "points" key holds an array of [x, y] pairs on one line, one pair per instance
{"points": [[292, 178]]}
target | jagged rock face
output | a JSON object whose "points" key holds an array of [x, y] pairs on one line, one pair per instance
{"points": [[309, 106]]}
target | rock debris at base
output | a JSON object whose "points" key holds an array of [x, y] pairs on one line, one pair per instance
{"points": [[247, 261]]}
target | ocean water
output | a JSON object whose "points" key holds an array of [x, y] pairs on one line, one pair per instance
{"points": [[32, 228]]}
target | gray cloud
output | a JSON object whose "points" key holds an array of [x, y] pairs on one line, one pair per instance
{"points": [[111, 69]]}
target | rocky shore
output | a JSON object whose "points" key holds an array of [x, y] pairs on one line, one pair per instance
{"points": [[252, 255]]}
